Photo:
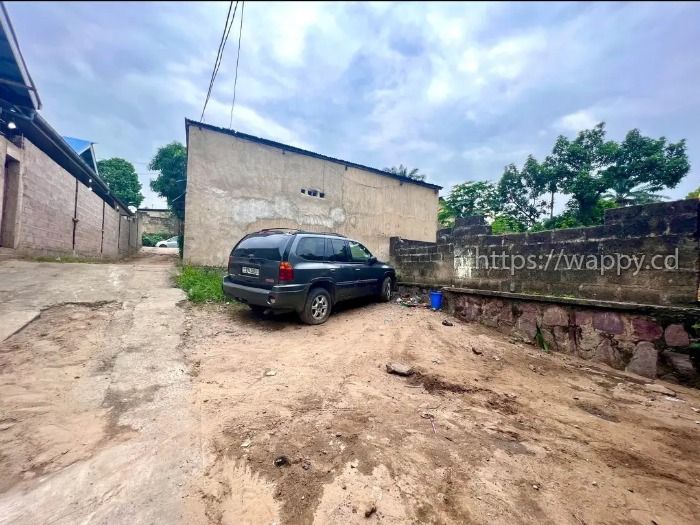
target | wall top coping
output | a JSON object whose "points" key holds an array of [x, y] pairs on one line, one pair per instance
{"points": [[574, 301]]}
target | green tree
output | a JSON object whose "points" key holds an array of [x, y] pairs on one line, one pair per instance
{"points": [[519, 195], [588, 166], [694, 194], [121, 177], [507, 224], [445, 216], [403, 171], [472, 198], [624, 194], [171, 182]]}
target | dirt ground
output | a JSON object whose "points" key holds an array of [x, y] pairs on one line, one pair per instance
{"points": [[125, 404]]}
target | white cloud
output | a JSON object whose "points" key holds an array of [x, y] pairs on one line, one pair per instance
{"points": [[577, 121], [456, 89]]}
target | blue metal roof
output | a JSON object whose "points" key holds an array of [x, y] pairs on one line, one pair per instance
{"points": [[78, 145]]}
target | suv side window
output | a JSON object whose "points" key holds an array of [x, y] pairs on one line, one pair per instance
{"points": [[336, 250], [311, 248], [358, 253]]}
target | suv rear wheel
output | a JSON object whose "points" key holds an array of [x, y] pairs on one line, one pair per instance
{"points": [[385, 291], [317, 307]]}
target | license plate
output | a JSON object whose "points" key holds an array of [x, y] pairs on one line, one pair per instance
{"points": [[250, 271]]}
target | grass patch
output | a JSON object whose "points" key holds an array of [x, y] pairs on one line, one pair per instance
{"points": [[202, 285]]}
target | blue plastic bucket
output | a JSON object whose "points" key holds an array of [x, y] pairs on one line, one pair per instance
{"points": [[436, 300]]}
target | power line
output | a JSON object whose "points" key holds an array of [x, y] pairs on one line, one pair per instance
{"points": [[220, 53], [238, 57], [216, 61]]}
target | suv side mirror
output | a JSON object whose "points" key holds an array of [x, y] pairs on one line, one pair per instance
{"points": [[372, 260]]}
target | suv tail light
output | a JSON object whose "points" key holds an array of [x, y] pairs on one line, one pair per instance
{"points": [[286, 272], [230, 265]]}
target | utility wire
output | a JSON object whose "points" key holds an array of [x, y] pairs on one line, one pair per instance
{"points": [[238, 57], [216, 61], [220, 53]]}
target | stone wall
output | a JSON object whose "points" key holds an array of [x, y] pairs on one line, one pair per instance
{"points": [[646, 341], [577, 262], [55, 213]]}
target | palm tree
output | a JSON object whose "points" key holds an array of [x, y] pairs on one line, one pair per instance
{"points": [[403, 171], [623, 194]]}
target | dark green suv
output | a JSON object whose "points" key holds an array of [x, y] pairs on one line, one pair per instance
{"points": [[305, 272]]}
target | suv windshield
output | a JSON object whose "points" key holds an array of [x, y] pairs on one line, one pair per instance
{"points": [[262, 246]]}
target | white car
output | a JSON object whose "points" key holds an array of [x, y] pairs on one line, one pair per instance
{"points": [[167, 243]]}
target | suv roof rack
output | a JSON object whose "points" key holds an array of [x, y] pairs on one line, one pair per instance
{"points": [[297, 230]]}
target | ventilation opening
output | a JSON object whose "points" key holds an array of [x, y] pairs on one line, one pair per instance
{"points": [[313, 193]]}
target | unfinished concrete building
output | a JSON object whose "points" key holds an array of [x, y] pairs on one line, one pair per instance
{"points": [[238, 183]]}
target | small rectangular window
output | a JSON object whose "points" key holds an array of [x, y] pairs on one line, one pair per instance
{"points": [[322, 195], [303, 190]]}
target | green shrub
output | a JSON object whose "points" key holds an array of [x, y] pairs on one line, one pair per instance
{"points": [[202, 285], [150, 239]]}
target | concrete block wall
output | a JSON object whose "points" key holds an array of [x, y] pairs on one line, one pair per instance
{"points": [[47, 205], [663, 229], [158, 221], [111, 233], [124, 244], [134, 239], [49, 199], [88, 228]]}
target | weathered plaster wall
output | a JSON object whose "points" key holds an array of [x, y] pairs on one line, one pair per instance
{"points": [[666, 229], [235, 186], [158, 221], [50, 201]]}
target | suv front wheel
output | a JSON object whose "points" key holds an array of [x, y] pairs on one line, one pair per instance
{"points": [[317, 307], [385, 291]]}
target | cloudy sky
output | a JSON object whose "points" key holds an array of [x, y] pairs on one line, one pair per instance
{"points": [[457, 90]]}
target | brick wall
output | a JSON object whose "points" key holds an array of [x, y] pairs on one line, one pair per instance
{"points": [[462, 257]]}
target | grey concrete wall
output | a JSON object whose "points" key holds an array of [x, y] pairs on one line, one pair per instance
{"points": [[47, 206], [664, 229], [235, 186]]}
